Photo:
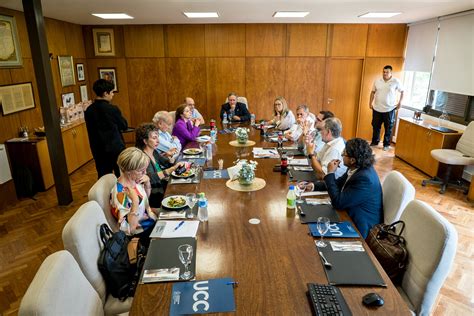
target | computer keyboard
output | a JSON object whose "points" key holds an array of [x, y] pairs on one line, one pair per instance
{"points": [[327, 300]]}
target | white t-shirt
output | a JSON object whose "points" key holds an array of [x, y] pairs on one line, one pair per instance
{"points": [[296, 130], [385, 99], [332, 150]]}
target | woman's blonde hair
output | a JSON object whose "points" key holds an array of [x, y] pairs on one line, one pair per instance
{"points": [[131, 159], [284, 111]]}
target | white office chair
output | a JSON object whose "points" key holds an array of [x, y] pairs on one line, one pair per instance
{"points": [[100, 192], [431, 243], [397, 193], [82, 239], [173, 119], [60, 288], [241, 100]]}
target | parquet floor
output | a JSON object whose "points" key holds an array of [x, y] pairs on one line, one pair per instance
{"points": [[30, 230]]}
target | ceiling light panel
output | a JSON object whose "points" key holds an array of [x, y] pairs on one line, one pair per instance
{"points": [[201, 15], [113, 16], [290, 14], [379, 14]]}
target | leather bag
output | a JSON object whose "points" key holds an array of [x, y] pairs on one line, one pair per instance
{"points": [[389, 248]]}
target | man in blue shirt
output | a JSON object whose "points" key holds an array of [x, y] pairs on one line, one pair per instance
{"points": [[195, 115], [169, 145]]}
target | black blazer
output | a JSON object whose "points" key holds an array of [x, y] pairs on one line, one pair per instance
{"points": [[361, 197], [105, 123], [240, 110]]}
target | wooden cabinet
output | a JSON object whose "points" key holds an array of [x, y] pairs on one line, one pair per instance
{"points": [[415, 141], [76, 147]]}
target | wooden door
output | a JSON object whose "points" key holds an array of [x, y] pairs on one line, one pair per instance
{"points": [[342, 92], [70, 150], [83, 150]]}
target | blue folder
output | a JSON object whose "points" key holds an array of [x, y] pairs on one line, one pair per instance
{"points": [[336, 230]]}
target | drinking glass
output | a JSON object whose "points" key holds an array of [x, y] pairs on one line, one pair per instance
{"points": [[300, 188], [191, 199], [323, 227], [185, 253], [290, 157]]}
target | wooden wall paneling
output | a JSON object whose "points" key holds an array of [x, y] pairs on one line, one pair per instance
{"points": [[224, 75], [386, 40], [121, 98], [74, 40], [305, 82], [347, 40], [184, 40], [265, 39], [373, 70], [185, 77], [265, 79], [147, 88], [342, 92], [88, 41], [143, 41], [307, 39], [22, 32], [225, 40], [56, 37]]}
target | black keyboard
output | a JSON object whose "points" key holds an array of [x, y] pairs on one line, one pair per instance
{"points": [[327, 300]]}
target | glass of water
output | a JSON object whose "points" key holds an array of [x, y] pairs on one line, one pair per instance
{"points": [[323, 227], [185, 253], [191, 199]]}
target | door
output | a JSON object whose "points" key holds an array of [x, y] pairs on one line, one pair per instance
{"points": [[342, 91]]}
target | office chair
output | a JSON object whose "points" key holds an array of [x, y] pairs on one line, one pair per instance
{"points": [[82, 239], [463, 155], [431, 243], [397, 193], [241, 100], [60, 288], [100, 192]]}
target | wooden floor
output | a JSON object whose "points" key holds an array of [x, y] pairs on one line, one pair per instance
{"points": [[31, 230]]}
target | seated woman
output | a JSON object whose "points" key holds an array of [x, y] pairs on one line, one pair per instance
{"points": [[129, 196], [358, 191], [168, 146], [159, 167], [283, 117], [184, 128], [236, 111]]}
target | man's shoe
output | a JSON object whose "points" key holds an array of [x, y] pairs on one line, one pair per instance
{"points": [[386, 148], [374, 144]]}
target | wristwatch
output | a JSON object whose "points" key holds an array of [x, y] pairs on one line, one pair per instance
{"points": [[310, 156]]}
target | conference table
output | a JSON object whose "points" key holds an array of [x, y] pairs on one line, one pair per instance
{"points": [[272, 261]]}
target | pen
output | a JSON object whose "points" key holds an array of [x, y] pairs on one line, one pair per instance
{"points": [[178, 226], [234, 283]]}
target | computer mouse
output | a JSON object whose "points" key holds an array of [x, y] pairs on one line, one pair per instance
{"points": [[372, 299]]}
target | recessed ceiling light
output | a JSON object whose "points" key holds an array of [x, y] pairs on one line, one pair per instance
{"points": [[379, 14], [112, 16], [290, 14], [201, 15]]}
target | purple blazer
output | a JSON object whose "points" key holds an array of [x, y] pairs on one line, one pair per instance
{"points": [[185, 131]]}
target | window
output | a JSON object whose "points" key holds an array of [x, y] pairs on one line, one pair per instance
{"points": [[416, 84], [458, 106]]}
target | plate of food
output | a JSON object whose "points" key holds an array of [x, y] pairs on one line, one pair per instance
{"points": [[185, 174], [192, 151], [174, 202], [203, 139]]}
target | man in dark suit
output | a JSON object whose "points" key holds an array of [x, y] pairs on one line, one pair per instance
{"points": [[236, 111], [105, 123], [358, 191]]}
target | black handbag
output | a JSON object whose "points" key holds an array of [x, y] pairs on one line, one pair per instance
{"points": [[389, 248], [120, 274]]}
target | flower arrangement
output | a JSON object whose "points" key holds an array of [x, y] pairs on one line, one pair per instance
{"points": [[242, 134], [247, 171]]}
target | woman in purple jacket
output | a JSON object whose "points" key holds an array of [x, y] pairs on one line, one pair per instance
{"points": [[184, 128]]}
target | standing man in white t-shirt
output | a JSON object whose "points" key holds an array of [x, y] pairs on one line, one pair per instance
{"points": [[383, 103]]}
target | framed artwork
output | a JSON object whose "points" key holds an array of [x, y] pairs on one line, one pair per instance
{"points": [[84, 96], [80, 72], [68, 99], [10, 53], [16, 97], [103, 42], [110, 75], [66, 71]]}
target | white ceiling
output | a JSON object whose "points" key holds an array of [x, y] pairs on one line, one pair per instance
{"points": [[243, 11]]}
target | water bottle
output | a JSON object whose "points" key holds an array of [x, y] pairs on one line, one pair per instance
{"points": [[209, 151], [203, 216], [291, 198], [224, 119], [213, 135], [252, 119]]}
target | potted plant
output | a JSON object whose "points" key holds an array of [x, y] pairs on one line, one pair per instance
{"points": [[247, 171], [242, 134]]}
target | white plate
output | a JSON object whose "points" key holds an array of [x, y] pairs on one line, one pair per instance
{"points": [[202, 139], [166, 200], [192, 151], [184, 175]]}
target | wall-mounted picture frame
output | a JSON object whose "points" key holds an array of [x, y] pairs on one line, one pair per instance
{"points": [[68, 99], [84, 95], [10, 51], [81, 75], [104, 44], [66, 71], [110, 75], [16, 97]]}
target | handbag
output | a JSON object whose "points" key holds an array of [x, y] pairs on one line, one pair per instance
{"points": [[389, 248]]}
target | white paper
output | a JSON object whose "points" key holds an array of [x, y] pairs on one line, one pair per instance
{"points": [[298, 162], [347, 246], [161, 275], [305, 169], [314, 193], [168, 229], [259, 152], [315, 201], [172, 215]]}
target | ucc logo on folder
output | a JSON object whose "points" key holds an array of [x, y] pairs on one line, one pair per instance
{"points": [[336, 229]]}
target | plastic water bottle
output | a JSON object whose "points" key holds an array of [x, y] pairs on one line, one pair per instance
{"points": [[252, 119], [203, 215], [213, 135], [291, 198], [224, 119], [209, 152]]}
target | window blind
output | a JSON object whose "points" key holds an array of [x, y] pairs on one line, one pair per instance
{"points": [[421, 46]]}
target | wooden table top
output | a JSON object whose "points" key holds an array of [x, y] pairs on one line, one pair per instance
{"points": [[272, 261]]}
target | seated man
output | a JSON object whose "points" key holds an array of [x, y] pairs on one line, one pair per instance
{"points": [[169, 145], [236, 111], [358, 191], [332, 150], [316, 136], [304, 124], [195, 115]]}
